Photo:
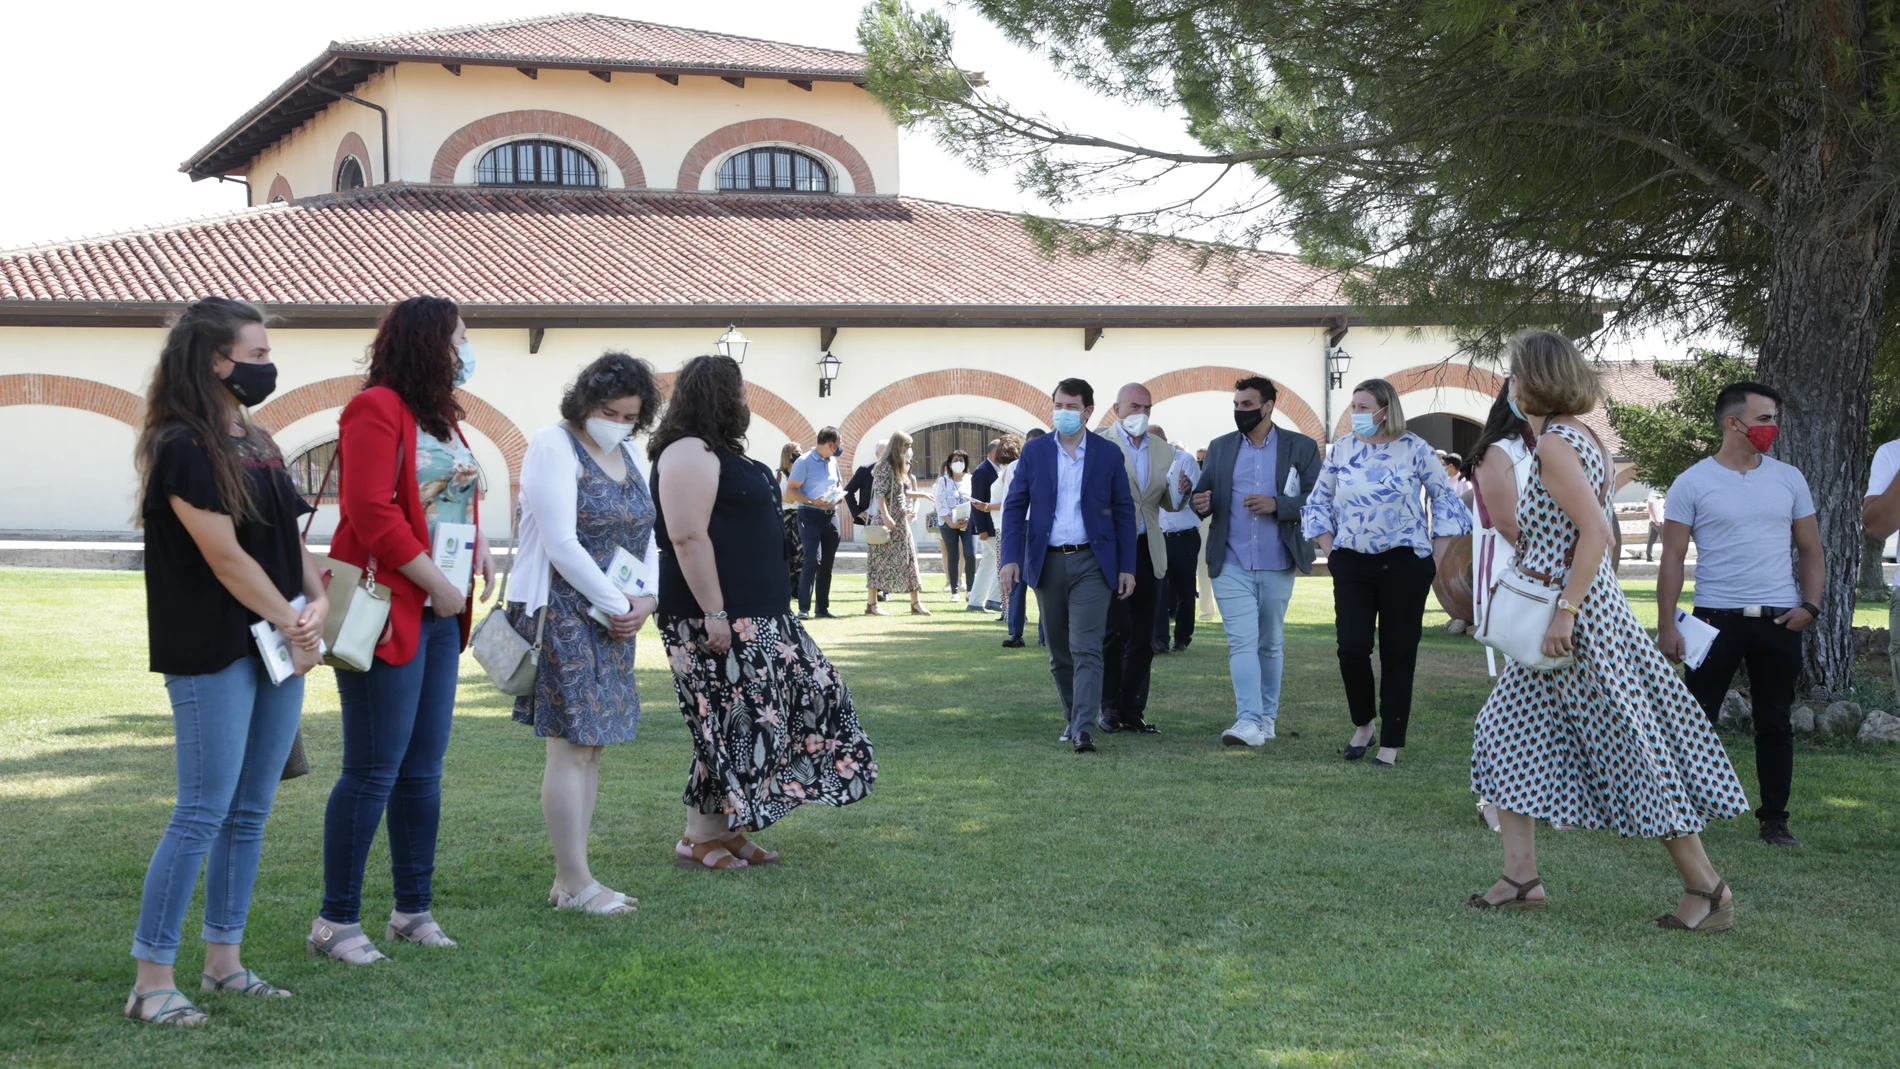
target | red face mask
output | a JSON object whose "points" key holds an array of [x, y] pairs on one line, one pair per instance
{"points": [[1762, 437]]}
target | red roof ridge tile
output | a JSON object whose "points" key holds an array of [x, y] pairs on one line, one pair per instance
{"points": [[381, 42]]}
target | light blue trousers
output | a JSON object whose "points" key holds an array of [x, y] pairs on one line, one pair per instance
{"points": [[233, 732], [1253, 609]]}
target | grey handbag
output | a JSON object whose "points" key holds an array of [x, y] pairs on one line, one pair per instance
{"points": [[509, 659]]}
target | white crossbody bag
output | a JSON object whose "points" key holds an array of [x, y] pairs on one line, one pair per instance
{"points": [[1519, 608]]}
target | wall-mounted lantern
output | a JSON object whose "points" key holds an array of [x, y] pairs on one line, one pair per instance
{"points": [[733, 344], [827, 370], [1337, 361]]}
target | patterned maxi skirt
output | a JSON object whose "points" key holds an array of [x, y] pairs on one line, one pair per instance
{"points": [[772, 723]]}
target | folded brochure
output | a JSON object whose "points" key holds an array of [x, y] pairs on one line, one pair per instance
{"points": [[454, 552], [623, 571], [274, 646], [1697, 637]]}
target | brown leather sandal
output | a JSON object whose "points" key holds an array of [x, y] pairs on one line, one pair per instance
{"points": [[711, 854], [1523, 902], [751, 853], [1719, 918]]}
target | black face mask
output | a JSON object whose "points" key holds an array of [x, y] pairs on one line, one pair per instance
{"points": [[1248, 418], [251, 383]]}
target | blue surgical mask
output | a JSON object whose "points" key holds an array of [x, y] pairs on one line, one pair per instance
{"points": [[1365, 424], [1068, 421], [1516, 411], [465, 352]]}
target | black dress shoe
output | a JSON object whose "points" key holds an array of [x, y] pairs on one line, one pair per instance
{"points": [[1110, 727], [1776, 833], [1180, 647], [1085, 744], [1142, 727], [1013, 643], [827, 615], [1161, 649], [1376, 763], [1354, 753]]}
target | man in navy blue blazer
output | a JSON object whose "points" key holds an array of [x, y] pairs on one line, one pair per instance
{"points": [[1068, 525]]}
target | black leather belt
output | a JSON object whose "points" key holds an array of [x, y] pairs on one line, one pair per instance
{"points": [[1069, 549], [1768, 612]]}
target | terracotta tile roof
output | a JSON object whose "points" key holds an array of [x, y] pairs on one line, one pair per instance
{"points": [[1632, 382], [652, 250], [579, 37]]}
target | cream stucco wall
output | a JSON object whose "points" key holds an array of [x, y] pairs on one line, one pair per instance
{"points": [[660, 122], [90, 464]]}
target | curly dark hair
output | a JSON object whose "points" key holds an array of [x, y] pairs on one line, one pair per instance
{"points": [[412, 355], [708, 403], [613, 376], [954, 454]]}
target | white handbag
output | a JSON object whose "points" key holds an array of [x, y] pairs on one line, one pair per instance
{"points": [[359, 605], [875, 534], [1517, 614]]}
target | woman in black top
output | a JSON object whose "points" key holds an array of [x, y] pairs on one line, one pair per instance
{"points": [[772, 723], [221, 553]]}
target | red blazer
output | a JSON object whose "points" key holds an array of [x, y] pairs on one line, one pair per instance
{"points": [[381, 507]]}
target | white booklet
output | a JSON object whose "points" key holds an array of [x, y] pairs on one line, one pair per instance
{"points": [[274, 646], [623, 571], [1292, 487], [1697, 637], [454, 552]]}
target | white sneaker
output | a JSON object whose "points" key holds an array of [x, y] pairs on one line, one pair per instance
{"points": [[1243, 733], [1266, 731], [1064, 737]]}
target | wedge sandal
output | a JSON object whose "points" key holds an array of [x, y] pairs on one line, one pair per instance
{"points": [[420, 929], [750, 852], [1720, 918], [344, 942], [711, 854]]}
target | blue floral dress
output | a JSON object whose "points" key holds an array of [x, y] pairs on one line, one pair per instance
{"points": [[583, 687]]}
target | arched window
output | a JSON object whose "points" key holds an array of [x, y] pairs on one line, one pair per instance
{"points": [[349, 175], [933, 445], [306, 471], [536, 163], [774, 169]]}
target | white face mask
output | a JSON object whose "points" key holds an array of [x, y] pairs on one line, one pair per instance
{"points": [[607, 433], [1136, 425], [907, 456], [956, 467]]}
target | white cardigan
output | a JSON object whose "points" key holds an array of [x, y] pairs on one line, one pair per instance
{"points": [[549, 498]]}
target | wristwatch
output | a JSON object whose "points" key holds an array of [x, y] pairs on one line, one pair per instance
{"points": [[720, 615], [1813, 609], [1564, 604]]}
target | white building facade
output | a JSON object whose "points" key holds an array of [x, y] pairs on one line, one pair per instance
{"points": [[581, 184]]}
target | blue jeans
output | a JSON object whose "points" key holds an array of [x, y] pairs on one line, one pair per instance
{"points": [[233, 731], [395, 730], [1253, 609]]}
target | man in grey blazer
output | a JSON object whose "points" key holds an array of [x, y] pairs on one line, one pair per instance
{"points": [[1254, 483]]}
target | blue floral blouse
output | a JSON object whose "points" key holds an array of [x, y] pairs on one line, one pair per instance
{"points": [[1371, 498]]}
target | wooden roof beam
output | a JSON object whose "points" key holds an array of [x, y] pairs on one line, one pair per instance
{"points": [[801, 83], [740, 82], [453, 68], [1090, 335], [605, 76], [670, 79], [531, 72]]}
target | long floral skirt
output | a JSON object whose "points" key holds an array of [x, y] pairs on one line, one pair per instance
{"points": [[772, 723]]}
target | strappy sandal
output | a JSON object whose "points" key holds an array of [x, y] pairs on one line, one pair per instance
{"points": [[919, 610], [595, 898], [344, 942], [875, 611], [244, 982], [711, 854], [420, 929], [750, 852], [175, 1010], [1720, 918], [1523, 902]]}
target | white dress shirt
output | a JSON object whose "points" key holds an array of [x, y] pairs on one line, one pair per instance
{"points": [[1068, 528], [1138, 452], [1185, 519], [550, 495]]}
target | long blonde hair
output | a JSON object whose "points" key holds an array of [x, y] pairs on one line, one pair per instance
{"points": [[893, 455]]}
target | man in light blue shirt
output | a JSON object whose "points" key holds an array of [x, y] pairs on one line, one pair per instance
{"points": [[1253, 486], [814, 484]]}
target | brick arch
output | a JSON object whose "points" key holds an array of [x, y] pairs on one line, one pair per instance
{"points": [[326, 394], [1441, 376], [909, 391], [765, 404], [783, 131], [1211, 379], [64, 391], [279, 187], [526, 124], [352, 145]]}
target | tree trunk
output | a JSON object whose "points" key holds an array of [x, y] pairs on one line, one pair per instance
{"points": [[1872, 584], [1833, 233]]}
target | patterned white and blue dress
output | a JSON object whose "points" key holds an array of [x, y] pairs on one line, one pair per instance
{"points": [[1615, 740]]}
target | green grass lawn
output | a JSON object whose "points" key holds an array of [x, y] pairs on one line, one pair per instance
{"points": [[998, 901]]}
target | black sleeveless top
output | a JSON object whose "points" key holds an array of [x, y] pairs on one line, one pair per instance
{"points": [[748, 540]]}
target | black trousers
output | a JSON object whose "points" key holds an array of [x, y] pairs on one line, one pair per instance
{"points": [[1179, 588], [1773, 655], [1655, 535], [818, 530], [1382, 592], [1128, 655]]}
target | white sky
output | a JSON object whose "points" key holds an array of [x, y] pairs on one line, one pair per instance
{"points": [[98, 128]]}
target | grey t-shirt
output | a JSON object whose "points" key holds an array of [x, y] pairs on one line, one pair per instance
{"points": [[1743, 526]]}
